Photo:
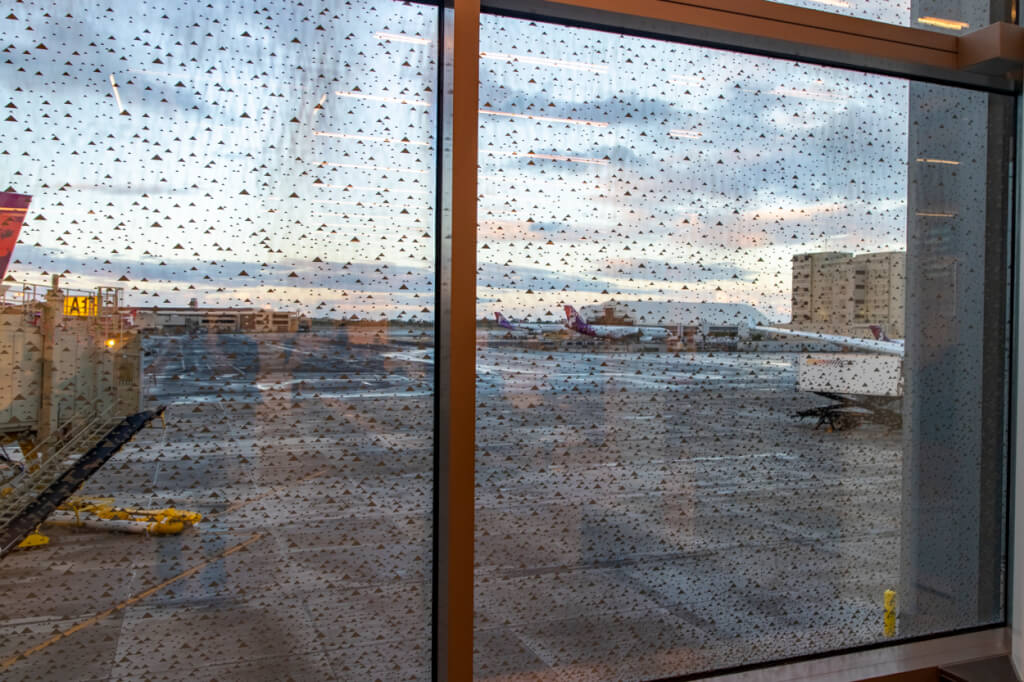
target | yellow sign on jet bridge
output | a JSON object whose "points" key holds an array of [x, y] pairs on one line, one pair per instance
{"points": [[80, 306]]}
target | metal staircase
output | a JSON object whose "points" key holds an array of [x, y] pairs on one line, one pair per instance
{"points": [[59, 465]]}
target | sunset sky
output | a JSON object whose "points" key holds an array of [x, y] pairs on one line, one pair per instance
{"points": [[284, 156]]}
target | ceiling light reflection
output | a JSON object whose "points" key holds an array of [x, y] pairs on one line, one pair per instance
{"points": [[544, 61], [951, 24], [370, 138], [361, 228], [385, 216], [817, 95], [552, 157], [677, 79], [356, 216], [575, 121], [381, 98], [317, 183], [367, 167], [319, 105], [117, 95], [399, 38], [807, 94]]}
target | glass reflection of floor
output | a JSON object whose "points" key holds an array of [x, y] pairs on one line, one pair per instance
{"points": [[643, 515], [311, 457], [638, 515]]}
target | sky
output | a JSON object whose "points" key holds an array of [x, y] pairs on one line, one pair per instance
{"points": [[281, 154]]}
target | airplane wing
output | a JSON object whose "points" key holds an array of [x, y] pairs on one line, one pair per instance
{"points": [[887, 347]]}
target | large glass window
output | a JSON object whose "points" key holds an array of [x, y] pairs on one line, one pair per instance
{"points": [[740, 317], [231, 216], [741, 364]]}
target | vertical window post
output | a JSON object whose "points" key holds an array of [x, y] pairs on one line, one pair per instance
{"points": [[456, 340]]}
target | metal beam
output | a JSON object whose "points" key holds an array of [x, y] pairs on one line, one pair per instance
{"points": [[77, 474], [995, 49], [772, 29], [878, 661], [455, 413]]}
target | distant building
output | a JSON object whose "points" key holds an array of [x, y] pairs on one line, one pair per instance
{"points": [[840, 293], [222, 320], [880, 291], [821, 300]]}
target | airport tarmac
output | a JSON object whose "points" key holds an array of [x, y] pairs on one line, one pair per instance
{"points": [[638, 515]]}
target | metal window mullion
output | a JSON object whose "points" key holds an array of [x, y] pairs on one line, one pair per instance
{"points": [[774, 30], [1015, 473], [455, 344]]}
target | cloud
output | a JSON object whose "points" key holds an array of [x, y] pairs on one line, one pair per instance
{"points": [[698, 168]]}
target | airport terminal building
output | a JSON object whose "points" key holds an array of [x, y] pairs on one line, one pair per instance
{"points": [[182, 320], [845, 293]]}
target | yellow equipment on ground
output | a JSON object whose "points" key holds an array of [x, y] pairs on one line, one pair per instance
{"points": [[35, 539], [101, 514], [889, 617]]}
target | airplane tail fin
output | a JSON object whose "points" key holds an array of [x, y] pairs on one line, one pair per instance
{"points": [[576, 322], [502, 322], [572, 317], [879, 333]]}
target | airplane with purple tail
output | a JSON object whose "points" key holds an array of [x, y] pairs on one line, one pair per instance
{"points": [[527, 328], [577, 323]]}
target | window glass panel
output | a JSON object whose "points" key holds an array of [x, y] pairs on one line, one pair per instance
{"points": [[954, 17], [664, 485], [237, 199]]}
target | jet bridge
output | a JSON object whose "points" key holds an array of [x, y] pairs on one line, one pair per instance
{"points": [[863, 387], [70, 376]]}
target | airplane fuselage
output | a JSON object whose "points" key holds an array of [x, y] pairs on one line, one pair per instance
{"points": [[527, 329], [605, 331], [575, 322]]}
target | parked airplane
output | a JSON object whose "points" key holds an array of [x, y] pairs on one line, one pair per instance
{"points": [[528, 328], [577, 323], [863, 386]]}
